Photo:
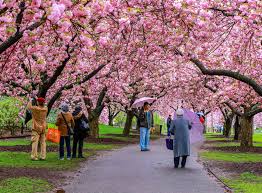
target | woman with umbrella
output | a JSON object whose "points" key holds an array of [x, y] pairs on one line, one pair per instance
{"points": [[146, 122]]}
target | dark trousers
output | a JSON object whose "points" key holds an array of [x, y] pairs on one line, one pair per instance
{"points": [[177, 160], [80, 142], [63, 140], [168, 132]]}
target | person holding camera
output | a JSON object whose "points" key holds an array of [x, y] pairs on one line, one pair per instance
{"points": [[39, 125]]}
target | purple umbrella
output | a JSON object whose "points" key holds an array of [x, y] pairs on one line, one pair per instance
{"points": [[196, 133], [140, 102]]}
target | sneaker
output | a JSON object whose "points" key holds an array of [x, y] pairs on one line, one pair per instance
{"points": [[41, 159], [68, 158], [61, 158], [147, 149], [73, 156], [80, 156], [34, 159], [143, 150]]}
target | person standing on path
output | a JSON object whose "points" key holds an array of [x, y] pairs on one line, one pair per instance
{"points": [[39, 114], [180, 129], [80, 132], [168, 124], [146, 122], [64, 121]]}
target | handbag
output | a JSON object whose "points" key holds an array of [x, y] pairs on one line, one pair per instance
{"points": [[69, 129], [84, 126], [53, 135], [169, 143]]}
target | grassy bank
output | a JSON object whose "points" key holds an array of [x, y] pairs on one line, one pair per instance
{"points": [[24, 185], [238, 167]]}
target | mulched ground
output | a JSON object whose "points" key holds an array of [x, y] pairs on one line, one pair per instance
{"points": [[108, 141], [16, 135], [208, 145], [26, 148], [53, 177], [219, 141], [235, 168], [234, 149]]}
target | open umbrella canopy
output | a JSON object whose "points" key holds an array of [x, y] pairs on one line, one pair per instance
{"points": [[140, 102], [196, 133]]}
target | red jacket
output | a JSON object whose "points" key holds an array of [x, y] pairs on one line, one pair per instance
{"points": [[202, 120]]}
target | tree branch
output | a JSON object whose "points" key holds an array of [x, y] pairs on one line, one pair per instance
{"points": [[18, 35], [236, 75]]}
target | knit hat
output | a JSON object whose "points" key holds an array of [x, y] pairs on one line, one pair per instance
{"points": [[64, 107], [41, 100], [180, 112]]}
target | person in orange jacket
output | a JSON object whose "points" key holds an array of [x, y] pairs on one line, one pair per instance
{"points": [[39, 125]]}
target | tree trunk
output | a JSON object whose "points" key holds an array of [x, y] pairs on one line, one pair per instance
{"points": [[94, 126], [137, 124], [128, 124], [237, 128], [227, 126], [111, 120], [246, 126]]}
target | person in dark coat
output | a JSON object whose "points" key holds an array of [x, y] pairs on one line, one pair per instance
{"points": [[79, 135], [168, 124], [180, 129], [146, 122]]}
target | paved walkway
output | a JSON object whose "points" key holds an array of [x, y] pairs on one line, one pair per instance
{"points": [[130, 171]]}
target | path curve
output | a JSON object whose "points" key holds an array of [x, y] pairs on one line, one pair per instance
{"points": [[130, 171]]}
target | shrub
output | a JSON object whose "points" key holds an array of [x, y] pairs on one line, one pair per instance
{"points": [[9, 111]]}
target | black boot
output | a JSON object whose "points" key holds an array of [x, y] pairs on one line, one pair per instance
{"points": [[183, 163], [176, 161]]}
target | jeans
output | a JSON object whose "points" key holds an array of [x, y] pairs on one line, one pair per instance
{"points": [[177, 159], [61, 146], [80, 142], [144, 138]]}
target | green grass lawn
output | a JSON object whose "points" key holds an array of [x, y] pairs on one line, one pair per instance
{"points": [[14, 142], [22, 159], [232, 157], [106, 129], [257, 137], [246, 183], [24, 185]]}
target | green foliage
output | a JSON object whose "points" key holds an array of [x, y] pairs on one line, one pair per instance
{"points": [[52, 116], [158, 120], [24, 185], [120, 119], [246, 183], [9, 114], [22, 159], [232, 157]]}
